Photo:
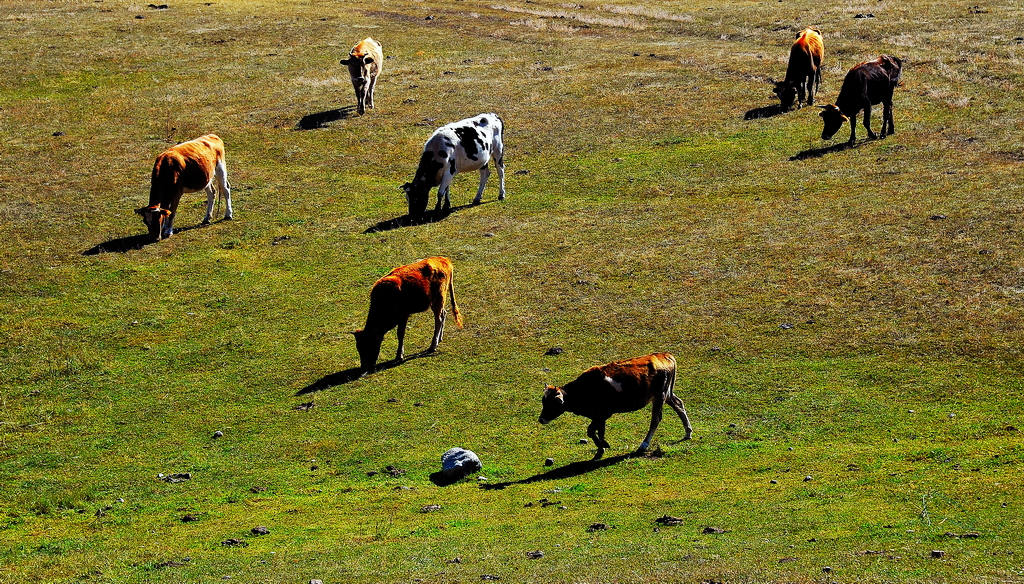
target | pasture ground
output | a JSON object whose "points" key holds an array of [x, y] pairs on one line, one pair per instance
{"points": [[849, 315]]}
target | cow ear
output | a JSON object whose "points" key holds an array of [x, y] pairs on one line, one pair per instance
{"points": [[367, 60], [345, 61]]}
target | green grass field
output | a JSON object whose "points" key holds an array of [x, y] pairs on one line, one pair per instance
{"points": [[853, 316]]}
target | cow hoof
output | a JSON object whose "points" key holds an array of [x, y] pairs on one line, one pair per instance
{"points": [[599, 454], [501, 197], [476, 202], [229, 217]]}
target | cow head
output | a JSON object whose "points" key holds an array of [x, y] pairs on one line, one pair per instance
{"points": [[368, 346], [552, 404], [833, 119], [154, 217], [360, 69], [786, 92], [417, 195]]}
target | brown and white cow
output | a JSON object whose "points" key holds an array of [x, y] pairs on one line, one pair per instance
{"points": [[404, 291], [364, 62], [803, 74], [621, 386], [186, 168], [867, 84]]}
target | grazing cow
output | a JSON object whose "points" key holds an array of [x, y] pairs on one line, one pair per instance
{"points": [[867, 84], [364, 62], [804, 70], [186, 168], [461, 146], [622, 386], [406, 290]]}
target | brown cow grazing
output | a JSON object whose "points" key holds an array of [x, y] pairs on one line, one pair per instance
{"points": [[867, 84], [186, 168], [406, 290], [364, 62], [622, 386], [804, 70]]}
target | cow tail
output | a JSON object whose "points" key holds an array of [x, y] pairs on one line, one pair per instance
{"points": [[451, 296], [670, 378]]}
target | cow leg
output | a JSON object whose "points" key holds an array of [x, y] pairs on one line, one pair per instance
{"points": [[485, 173], [677, 405], [800, 94], [169, 225], [221, 172], [867, 123], [210, 197], [369, 92], [596, 432], [887, 123], [445, 186], [501, 176], [656, 408], [439, 318], [400, 354], [810, 88], [853, 129]]}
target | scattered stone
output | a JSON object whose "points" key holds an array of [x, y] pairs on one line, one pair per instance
{"points": [[489, 577], [102, 512], [562, 507], [968, 535], [429, 17], [418, 404], [121, 500], [259, 530], [314, 467], [808, 478], [937, 217], [178, 477], [489, 234], [554, 351], [669, 520], [139, 17], [232, 542], [218, 434], [786, 560], [189, 518], [455, 560], [547, 68], [481, 478], [456, 464], [952, 415], [864, 15], [402, 488], [790, 449], [372, 473], [430, 508], [158, 6], [583, 441], [57, 134], [316, 581], [304, 407], [535, 555], [786, 326], [549, 462], [597, 527], [546, 503], [827, 569], [392, 400], [257, 489], [521, 172], [937, 553], [712, 530], [394, 471], [773, 482]]}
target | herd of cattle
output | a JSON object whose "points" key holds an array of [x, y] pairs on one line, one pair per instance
{"points": [[471, 144]]}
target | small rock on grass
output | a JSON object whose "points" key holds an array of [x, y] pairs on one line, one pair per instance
{"points": [[535, 555], [218, 434], [178, 477], [597, 527], [315, 581], [549, 462], [709, 530], [189, 518], [489, 577], [304, 407], [937, 553], [430, 508], [232, 542], [259, 530], [669, 520], [554, 351]]}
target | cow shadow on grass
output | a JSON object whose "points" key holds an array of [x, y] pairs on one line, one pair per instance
{"points": [[570, 470], [353, 373], [767, 111], [430, 216], [819, 152], [133, 242], [321, 119]]}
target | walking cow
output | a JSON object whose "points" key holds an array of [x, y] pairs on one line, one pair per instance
{"points": [[462, 146], [364, 62], [867, 84], [406, 290], [622, 386], [803, 74], [186, 168]]}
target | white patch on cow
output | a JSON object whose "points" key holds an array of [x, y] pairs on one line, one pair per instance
{"points": [[615, 384]]}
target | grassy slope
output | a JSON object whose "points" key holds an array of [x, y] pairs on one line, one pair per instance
{"points": [[652, 217]]}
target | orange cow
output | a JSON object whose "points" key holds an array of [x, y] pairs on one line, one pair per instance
{"points": [[406, 290], [804, 70], [186, 168], [364, 62], [621, 386]]}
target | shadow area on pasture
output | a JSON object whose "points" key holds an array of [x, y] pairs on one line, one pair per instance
{"points": [[353, 373], [570, 470], [819, 152], [133, 242], [321, 119], [430, 216], [767, 111]]}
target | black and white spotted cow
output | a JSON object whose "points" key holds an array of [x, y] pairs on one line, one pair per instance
{"points": [[462, 146]]}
